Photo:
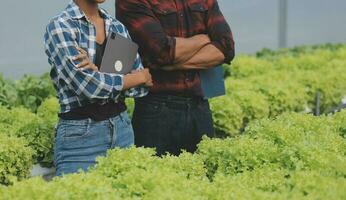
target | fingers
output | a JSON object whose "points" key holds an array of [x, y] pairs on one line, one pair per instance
{"points": [[135, 71], [80, 57], [94, 68], [149, 84], [83, 64], [87, 64], [82, 51], [91, 66], [148, 78]]}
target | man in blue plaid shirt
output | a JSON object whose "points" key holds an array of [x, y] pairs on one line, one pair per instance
{"points": [[93, 115]]}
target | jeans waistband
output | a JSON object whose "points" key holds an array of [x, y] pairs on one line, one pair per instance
{"points": [[171, 101], [173, 98], [88, 121]]}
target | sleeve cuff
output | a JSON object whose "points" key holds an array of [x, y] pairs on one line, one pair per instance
{"points": [[229, 55], [172, 43], [219, 46], [118, 82]]}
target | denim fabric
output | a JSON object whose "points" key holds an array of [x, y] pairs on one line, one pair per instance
{"points": [[170, 123], [79, 142]]}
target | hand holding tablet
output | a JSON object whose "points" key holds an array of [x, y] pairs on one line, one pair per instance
{"points": [[120, 54]]}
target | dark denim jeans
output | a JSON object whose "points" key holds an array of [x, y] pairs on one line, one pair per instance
{"points": [[171, 123], [79, 142]]}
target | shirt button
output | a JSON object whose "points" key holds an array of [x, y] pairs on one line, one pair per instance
{"points": [[181, 15]]}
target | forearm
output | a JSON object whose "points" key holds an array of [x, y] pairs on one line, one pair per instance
{"points": [[186, 48], [207, 57], [132, 80]]}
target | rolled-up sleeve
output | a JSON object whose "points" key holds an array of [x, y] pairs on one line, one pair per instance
{"points": [[219, 31], [139, 91], [60, 47], [155, 46]]}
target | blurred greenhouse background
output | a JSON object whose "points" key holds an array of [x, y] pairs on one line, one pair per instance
{"points": [[255, 24]]}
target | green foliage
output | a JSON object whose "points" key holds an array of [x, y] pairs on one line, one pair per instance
{"points": [[281, 81], [137, 173], [292, 142], [30, 91], [253, 104], [340, 123], [272, 153], [140, 176], [118, 163], [227, 115], [272, 183], [8, 93], [15, 159], [36, 131], [49, 110], [297, 51], [130, 104], [245, 66], [40, 136], [281, 92], [296, 156], [33, 90], [236, 155], [73, 187], [331, 85], [312, 142]]}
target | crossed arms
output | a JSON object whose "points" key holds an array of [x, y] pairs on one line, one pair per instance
{"points": [[172, 53], [196, 52]]}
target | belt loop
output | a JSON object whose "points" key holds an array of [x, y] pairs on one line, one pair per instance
{"points": [[121, 116], [89, 121], [111, 131], [111, 122]]}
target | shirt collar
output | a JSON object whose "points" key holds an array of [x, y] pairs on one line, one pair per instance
{"points": [[75, 12]]}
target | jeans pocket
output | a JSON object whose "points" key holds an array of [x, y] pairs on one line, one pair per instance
{"points": [[148, 110], [125, 117], [75, 131], [124, 136]]}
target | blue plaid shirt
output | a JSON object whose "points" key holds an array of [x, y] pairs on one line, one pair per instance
{"points": [[76, 87]]}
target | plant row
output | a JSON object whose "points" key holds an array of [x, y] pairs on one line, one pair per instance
{"points": [[26, 138], [295, 156], [29, 91], [260, 87]]}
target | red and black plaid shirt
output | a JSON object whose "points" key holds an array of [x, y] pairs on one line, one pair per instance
{"points": [[154, 24]]}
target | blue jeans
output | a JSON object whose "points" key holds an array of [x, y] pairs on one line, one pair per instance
{"points": [[79, 142]]}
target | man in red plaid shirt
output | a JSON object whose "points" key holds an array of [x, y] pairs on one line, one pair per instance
{"points": [[177, 39]]}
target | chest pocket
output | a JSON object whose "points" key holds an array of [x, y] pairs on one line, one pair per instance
{"points": [[199, 11], [167, 15]]}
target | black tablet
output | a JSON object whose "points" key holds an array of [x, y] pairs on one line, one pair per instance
{"points": [[120, 54]]}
